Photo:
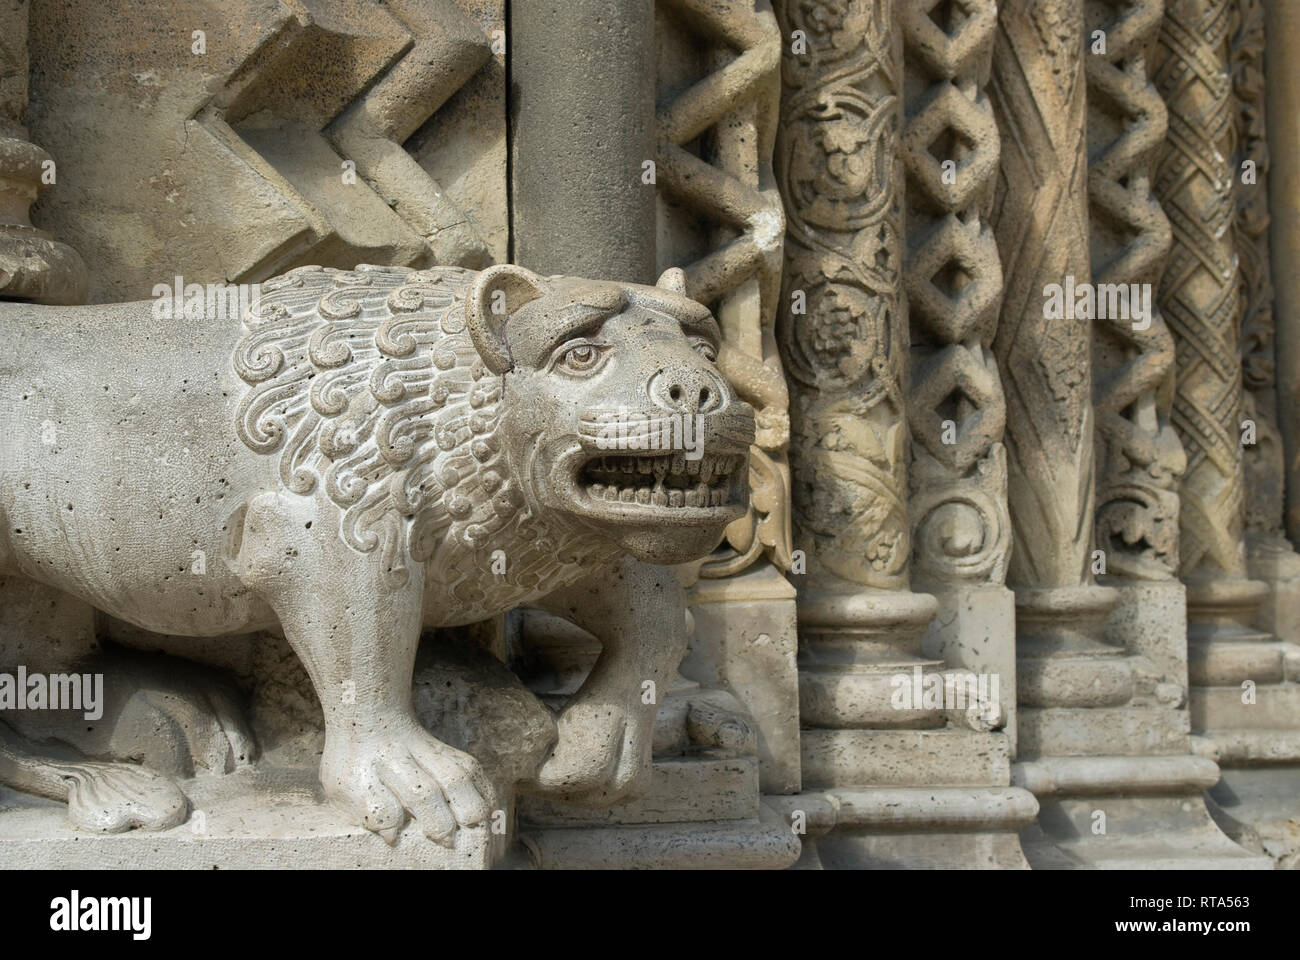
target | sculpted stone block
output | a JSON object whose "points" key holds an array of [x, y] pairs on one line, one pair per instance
{"points": [[276, 139], [374, 453]]}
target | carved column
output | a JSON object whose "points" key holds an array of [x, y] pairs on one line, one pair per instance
{"points": [[956, 409], [1085, 706], [1199, 295], [1241, 703], [33, 266], [1140, 458], [1041, 221], [843, 335], [1282, 28], [743, 605], [582, 101], [1269, 556]]}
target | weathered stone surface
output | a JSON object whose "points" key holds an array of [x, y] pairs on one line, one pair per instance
{"points": [[580, 136], [890, 529], [287, 116], [33, 266]]}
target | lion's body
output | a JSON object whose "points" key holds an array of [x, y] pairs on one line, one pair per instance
{"points": [[360, 456], [127, 490], [116, 469]]}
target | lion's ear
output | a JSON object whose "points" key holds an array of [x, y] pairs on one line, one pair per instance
{"points": [[497, 293], [674, 279]]}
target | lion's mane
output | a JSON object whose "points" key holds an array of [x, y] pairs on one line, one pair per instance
{"points": [[368, 386]]}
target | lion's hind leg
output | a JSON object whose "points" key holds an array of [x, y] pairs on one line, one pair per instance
{"points": [[101, 797], [47, 633]]}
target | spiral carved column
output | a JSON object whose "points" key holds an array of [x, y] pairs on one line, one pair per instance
{"points": [[956, 409], [1200, 296], [1041, 222], [1140, 457]]}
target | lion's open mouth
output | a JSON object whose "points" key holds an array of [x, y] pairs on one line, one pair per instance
{"points": [[662, 479]]}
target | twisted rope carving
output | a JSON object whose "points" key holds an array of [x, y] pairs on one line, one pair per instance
{"points": [[735, 105], [1141, 456], [961, 530]]}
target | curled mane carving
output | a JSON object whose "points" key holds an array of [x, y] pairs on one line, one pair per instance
{"points": [[368, 386]]}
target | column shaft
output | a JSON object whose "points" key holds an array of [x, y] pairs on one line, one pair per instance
{"points": [[582, 98]]}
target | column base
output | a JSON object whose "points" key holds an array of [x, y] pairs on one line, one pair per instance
{"points": [[1259, 808], [912, 828], [1126, 813], [1273, 561], [765, 842]]}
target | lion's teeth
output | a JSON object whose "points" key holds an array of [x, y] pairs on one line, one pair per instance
{"points": [[627, 495], [643, 465], [706, 469], [661, 467], [659, 498], [693, 467], [597, 490], [643, 495], [675, 498], [611, 492], [679, 463], [629, 464]]}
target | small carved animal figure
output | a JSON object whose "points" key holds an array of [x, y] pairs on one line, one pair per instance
{"points": [[373, 453]]}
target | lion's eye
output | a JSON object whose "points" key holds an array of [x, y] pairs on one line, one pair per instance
{"points": [[706, 350], [581, 358]]}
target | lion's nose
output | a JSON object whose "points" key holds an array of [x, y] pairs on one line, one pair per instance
{"points": [[687, 390]]}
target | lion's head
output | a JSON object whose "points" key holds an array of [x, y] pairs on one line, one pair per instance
{"points": [[441, 406], [616, 412]]}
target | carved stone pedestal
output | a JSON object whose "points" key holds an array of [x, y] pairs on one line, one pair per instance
{"points": [[1103, 740], [896, 781], [745, 642], [249, 822]]}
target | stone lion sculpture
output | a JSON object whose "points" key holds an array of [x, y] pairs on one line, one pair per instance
{"points": [[373, 453]]}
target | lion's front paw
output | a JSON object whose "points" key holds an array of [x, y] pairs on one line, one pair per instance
{"points": [[382, 781], [602, 753]]}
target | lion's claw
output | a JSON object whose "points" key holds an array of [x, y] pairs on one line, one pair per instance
{"points": [[413, 775], [600, 748]]}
